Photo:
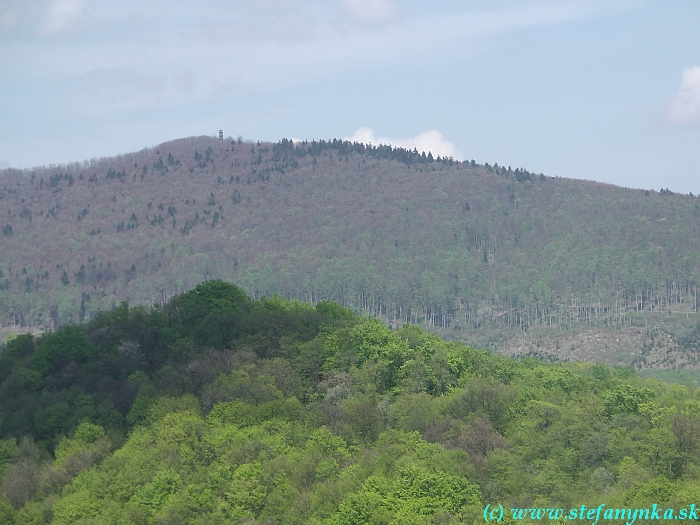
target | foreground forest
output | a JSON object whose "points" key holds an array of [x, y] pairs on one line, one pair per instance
{"points": [[483, 253], [216, 408]]}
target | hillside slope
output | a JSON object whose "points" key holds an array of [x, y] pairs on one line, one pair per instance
{"points": [[217, 409], [478, 251]]}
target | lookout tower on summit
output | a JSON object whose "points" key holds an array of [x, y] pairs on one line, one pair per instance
{"points": [[221, 134]]}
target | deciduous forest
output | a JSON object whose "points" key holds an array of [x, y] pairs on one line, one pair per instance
{"points": [[218, 408], [477, 252]]}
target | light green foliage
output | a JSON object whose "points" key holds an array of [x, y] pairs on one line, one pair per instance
{"points": [[371, 338], [7, 511], [626, 398], [31, 514], [244, 495], [686, 494], [74, 456], [374, 341], [235, 485], [154, 494], [412, 497], [322, 424], [363, 507], [332, 446], [166, 405], [418, 491], [657, 490], [86, 435], [76, 506], [238, 413]]}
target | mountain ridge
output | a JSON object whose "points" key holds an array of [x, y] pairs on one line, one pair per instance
{"points": [[480, 251]]}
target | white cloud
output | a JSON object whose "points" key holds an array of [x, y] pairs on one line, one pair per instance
{"points": [[685, 105], [426, 141], [63, 16], [369, 12]]}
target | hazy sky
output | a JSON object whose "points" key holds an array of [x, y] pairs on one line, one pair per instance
{"points": [[590, 89]]}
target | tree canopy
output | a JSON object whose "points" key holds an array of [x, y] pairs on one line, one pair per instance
{"points": [[216, 408]]}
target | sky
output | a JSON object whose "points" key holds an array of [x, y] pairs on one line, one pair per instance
{"points": [[597, 90]]}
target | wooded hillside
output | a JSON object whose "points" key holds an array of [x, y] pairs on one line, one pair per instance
{"points": [[217, 409], [464, 248]]}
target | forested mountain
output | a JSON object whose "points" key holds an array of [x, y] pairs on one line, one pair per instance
{"points": [[495, 256], [216, 409]]}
